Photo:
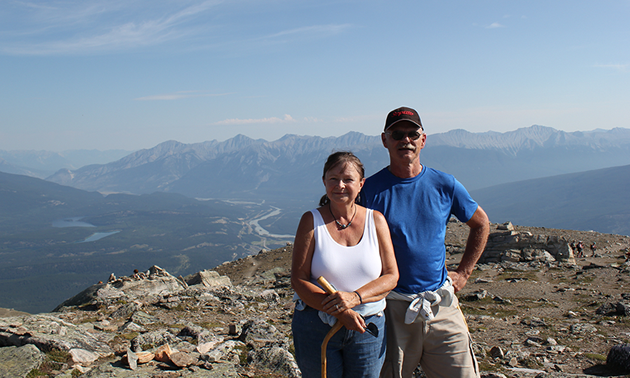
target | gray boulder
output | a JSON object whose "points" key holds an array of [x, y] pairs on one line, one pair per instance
{"points": [[19, 361], [619, 357], [277, 359], [137, 287], [48, 332], [208, 278], [612, 309], [152, 339], [258, 330]]}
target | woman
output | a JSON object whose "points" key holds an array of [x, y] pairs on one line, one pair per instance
{"points": [[351, 247]]}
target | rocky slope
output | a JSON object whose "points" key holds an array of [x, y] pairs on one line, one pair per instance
{"points": [[534, 310]]}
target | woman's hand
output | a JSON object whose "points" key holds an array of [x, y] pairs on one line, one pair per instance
{"points": [[352, 321], [339, 302]]}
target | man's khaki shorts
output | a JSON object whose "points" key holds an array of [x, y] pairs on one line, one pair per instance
{"points": [[442, 346]]}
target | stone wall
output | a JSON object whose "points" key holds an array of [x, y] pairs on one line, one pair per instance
{"points": [[507, 244]]}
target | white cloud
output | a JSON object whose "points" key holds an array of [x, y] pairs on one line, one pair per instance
{"points": [[94, 26], [59, 27], [312, 30], [360, 118], [235, 121], [618, 67], [494, 25], [179, 95]]}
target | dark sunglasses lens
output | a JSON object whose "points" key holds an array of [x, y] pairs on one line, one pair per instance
{"points": [[398, 135]]}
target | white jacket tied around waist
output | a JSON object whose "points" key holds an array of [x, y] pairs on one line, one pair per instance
{"points": [[421, 303]]}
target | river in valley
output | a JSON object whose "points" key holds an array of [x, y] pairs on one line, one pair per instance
{"points": [[261, 231]]}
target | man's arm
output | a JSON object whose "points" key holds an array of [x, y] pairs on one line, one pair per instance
{"points": [[479, 229]]}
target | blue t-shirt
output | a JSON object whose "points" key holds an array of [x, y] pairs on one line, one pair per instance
{"points": [[417, 210]]}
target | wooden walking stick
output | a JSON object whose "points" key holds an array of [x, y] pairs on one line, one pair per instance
{"points": [[330, 290]]}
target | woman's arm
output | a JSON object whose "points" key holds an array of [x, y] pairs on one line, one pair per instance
{"points": [[303, 248], [374, 290]]}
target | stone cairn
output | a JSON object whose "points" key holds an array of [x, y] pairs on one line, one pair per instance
{"points": [[508, 244]]}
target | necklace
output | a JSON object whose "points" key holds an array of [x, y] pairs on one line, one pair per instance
{"points": [[340, 225]]}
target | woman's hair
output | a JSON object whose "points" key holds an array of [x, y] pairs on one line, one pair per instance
{"points": [[337, 158]]}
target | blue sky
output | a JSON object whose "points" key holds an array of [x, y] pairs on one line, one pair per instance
{"points": [[130, 74]]}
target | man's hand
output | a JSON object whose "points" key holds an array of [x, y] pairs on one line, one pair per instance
{"points": [[459, 279]]}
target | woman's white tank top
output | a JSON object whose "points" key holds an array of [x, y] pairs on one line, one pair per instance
{"points": [[347, 268]]}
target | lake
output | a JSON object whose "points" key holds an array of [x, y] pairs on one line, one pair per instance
{"points": [[71, 222]]}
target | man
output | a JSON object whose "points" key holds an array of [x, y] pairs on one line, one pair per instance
{"points": [[424, 323]]}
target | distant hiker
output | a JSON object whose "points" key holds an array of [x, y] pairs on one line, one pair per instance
{"points": [[137, 275], [424, 322], [593, 248], [580, 248], [572, 245], [351, 247]]}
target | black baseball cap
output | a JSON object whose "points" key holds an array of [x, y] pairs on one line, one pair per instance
{"points": [[403, 114]]}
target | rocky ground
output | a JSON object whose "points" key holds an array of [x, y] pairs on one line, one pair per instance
{"points": [[560, 317], [527, 318], [537, 318]]}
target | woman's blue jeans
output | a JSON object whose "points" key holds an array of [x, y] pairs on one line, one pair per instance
{"points": [[349, 354]]}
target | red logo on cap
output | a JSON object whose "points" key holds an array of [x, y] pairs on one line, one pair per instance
{"points": [[403, 112]]}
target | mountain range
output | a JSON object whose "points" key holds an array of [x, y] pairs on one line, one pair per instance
{"points": [[287, 171], [291, 167], [42, 164], [250, 194]]}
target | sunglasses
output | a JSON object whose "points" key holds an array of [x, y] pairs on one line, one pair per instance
{"points": [[371, 328], [399, 134]]}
